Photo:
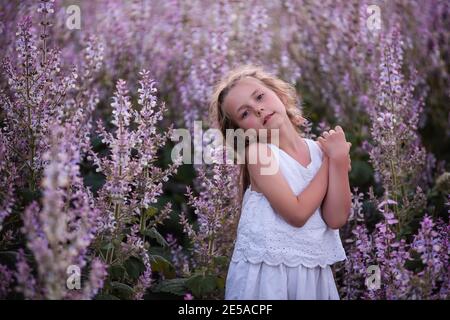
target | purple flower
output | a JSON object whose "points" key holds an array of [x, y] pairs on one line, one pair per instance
{"points": [[216, 208], [26, 283], [429, 245], [59, 234], [133, 182], [6, 279]]}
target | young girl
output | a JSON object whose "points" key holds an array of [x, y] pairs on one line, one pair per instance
{"points": [[287, 236]]}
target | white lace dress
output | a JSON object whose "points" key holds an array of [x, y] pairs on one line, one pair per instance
{"points": [[275, 260]]}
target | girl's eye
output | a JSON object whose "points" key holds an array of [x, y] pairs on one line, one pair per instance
{"points": [[245, 113]]}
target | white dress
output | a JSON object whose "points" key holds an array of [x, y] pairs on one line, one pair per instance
{"points": [[275, 260]]}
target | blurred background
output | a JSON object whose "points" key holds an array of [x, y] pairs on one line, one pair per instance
{"points": [[90, 93]]}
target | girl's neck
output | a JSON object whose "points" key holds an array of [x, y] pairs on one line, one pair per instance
{"points": [[289, 139]]}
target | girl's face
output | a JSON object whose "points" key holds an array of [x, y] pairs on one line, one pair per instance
{"points": [[249, 102]]}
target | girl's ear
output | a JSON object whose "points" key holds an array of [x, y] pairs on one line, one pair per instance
{"points": [[298, 120]]}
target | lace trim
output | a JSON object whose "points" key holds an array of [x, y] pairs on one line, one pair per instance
{"points": [[274, 250], [290, 262]]}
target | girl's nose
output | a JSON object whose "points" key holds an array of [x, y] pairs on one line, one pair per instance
{"points": [[258, 112]]}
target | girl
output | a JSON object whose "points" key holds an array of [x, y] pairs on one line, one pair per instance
{"points": [[287, 236]]}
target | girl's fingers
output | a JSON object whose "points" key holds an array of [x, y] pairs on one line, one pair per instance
{"points": [[325, 134], [332, 131], [339, 128], [320, 141]]}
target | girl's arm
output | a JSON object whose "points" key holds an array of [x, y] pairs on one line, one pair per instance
{"points": [[295, 209], [337, 203]]}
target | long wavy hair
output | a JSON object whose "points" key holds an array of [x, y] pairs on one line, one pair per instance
{"points": [[220, 120]]}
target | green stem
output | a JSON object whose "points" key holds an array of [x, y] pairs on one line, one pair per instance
{"points": [[141, 221], [30, 130], [394, 193]]}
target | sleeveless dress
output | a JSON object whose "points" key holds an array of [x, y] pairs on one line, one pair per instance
{"points": [[275, 260]]}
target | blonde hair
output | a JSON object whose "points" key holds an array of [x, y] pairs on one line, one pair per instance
{"points": [[220, 120]]}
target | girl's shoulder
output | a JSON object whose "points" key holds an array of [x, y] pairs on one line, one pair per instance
{"points": [[317, 148]]}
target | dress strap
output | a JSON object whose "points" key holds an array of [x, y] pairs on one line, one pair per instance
{"points": [[315, 149]]}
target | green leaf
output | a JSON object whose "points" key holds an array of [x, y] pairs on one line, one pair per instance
{"points": [[108, 245], [123, 290], [134, 267], [94, 180], [117, 271], [159, 251], [175, 286], [221, 260], [161, 264], [8, 256], [150, 212], [29, 196], [201, 285], [133, 220], [97, 143], [361, 172], [220, 282], [153, 233]]}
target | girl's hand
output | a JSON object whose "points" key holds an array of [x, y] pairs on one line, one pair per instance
{"points": [[326, 156], [334, 145]]}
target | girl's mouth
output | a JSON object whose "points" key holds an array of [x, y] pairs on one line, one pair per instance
{"points": [[266, 118]]}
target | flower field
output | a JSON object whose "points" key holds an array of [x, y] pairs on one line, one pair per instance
{"points": [[93, 204]]}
